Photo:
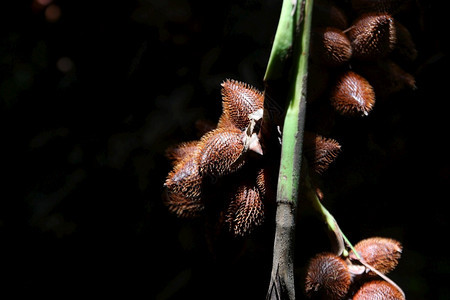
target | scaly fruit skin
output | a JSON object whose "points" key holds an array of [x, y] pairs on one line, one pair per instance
{"points": [[239, 101], [353, 95], [372, 36], [381, 253], [328, 277], [378, 289], [246, 209], [184, 187], [222, 152], [320, 151], [332, 46]]}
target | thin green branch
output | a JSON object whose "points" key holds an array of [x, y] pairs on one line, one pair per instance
{"points": [[338, 240]]}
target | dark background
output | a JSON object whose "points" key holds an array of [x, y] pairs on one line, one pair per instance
{"points": [[93, 92]]}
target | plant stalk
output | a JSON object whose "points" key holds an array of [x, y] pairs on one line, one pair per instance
{"points": [[292, 37]]}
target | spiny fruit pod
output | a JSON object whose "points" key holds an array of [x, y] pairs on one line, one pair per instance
{"points": [[331, 46], [372, 36], [263, 182], [184, 187], [378, 289], [239, 101], [328, 277], [246, 209], [353, 95], [381, 253], [223, 151], [320, 151]]}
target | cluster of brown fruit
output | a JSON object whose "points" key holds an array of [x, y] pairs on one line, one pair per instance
{"points": [[352, 63], [357, 61], [220, 173], [332, 277], [223, 175]]}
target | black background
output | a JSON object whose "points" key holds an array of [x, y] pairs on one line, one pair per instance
{"points": [[91, 99]]}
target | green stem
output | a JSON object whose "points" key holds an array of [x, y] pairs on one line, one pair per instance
{"points": [[333, 227], [292, 137], [347, 242], [292, 37], [338, 239], [283, 41], [336, 235]]}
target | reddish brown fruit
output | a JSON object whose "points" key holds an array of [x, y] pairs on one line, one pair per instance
{"points": [[239, 101], [184, 191], [261, 182], [353, 95], [225, 121], [222, 151], [372, 36], [331, 46], [320, 151], [378, 289], [328, 277], [245, 211], [381, 253]]}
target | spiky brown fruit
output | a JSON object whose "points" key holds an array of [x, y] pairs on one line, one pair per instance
{"points": [[181, 151], [381, 253], [262, 181], [328, 277], [184, 188], [239, 101], [222, 151], [353, 95], [331, 46], [372, 36], [378, 289], [246, 210], [320, 151]]}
